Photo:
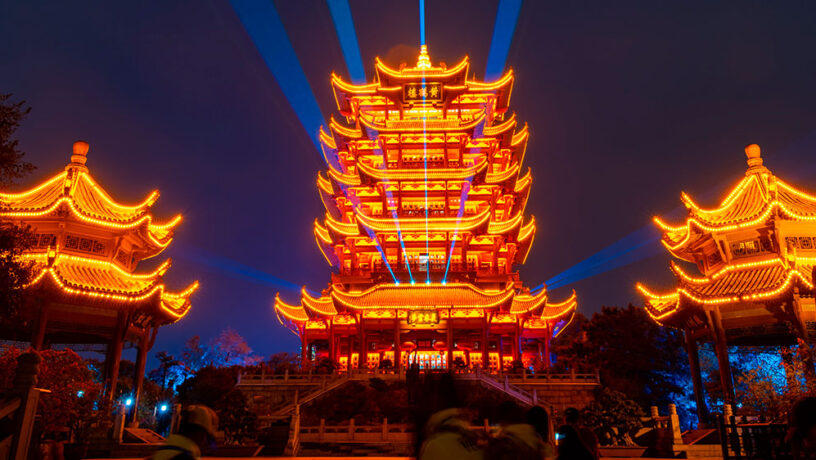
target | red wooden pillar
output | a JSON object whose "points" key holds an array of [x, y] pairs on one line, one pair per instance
{"points": [[114, 356], [696, 377], [38, 337], [350, 351], [449, 341], [141, 360], [362, 362], [332, 344], [721, 349], [397, 350], [501, 352], [304, 348], [485, 340], [547, 340]]}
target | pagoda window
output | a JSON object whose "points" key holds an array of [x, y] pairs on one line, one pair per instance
{"points": [[45, 240], [123, 257], [800, 242], [86, 245], [746, 248]]}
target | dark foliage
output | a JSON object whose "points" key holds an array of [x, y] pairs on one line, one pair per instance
{"points": [[215, 387], [14, 273], [12, 166], [634, 355]]}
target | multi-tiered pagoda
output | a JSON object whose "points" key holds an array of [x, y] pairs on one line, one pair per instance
{"points": [[755, 255], [425, 227], [86, 249]]}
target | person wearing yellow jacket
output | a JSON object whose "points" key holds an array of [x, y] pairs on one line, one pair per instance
{"points": [[196, 433]]}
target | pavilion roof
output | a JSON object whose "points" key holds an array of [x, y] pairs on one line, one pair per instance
{"points": [[758, 281], [103, 280], [464, 296], [76, 190], [757, 198]]}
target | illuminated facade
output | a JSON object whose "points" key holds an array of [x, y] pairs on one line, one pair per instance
{"points": [[86, 250], [755, 254], [424, 227]]}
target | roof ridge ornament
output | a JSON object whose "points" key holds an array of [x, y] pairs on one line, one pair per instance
{"points": [[424, 60], [79, 156], [754, 154]]}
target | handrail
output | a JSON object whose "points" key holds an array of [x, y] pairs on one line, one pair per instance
{"points": [[9, 406]]}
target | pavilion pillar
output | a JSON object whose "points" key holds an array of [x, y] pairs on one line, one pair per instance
{"points": [[547, 354], [362, 362], [517, 342], [802, 333], [350, 351], [696, 378], [397, 346], [38, 336], [114, 357], [721, 349], [449, 341], [485, 343], [141, 360], [332, 344], [500, 346], [304, 348]]}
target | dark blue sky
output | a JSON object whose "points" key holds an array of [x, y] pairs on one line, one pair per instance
{"points": [[627, 105]]}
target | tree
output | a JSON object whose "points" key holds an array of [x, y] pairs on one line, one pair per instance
{"points": [[613, 417], [12, 166], [634, 355], [230, 349], [14, 272], [215, 387]]}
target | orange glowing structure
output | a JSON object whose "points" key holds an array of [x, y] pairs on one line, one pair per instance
{"points": [[755, 254], [425, 227], [85, 253]]}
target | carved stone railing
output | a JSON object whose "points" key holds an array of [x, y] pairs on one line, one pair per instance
{"points": [[20, 407]]}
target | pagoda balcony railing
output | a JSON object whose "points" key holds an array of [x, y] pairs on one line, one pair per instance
{"points": [[313, 379]]}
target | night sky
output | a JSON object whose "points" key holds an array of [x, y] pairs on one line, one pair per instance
{"points": [[627, 106]]}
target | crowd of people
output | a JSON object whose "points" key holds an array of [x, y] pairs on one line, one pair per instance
{"points": [[522, 435], [447, 433]]}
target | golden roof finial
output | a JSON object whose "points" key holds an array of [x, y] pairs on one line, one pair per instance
{"points": [[424, 61], [754, 155], [79, 156]]}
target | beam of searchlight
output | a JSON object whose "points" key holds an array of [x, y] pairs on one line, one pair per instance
{"points": [[233, 269], [503, 30], [264, 26], [344, 25]]}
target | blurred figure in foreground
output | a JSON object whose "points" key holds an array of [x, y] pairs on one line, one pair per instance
{"points": [[538, 417], [446, 434], [517, 439], [196, 434], [576, 441], [802, 428]]}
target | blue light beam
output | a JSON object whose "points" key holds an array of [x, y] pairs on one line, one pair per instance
{"points": [[264, 26], [503, 30], [233, 269], [422, 22], [344, 25]]}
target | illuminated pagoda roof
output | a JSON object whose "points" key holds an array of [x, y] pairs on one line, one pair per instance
{"points": [[753, 250], [87, 245], [425, 198]]}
